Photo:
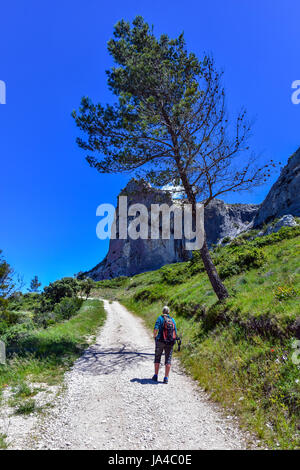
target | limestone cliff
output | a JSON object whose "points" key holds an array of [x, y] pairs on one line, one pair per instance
{"points": [[129, 257], [283, 198]]}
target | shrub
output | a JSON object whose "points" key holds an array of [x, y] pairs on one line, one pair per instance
{"points": [[187, 308], [67, 307], [196, 264], [16, 333], [251, 258], [238, 241], [29, 406], [22, 390], [285, 233], [11, 318], [114, 283], [241, 260], [28, 301], [172, 276], [86, 285], [284, 292], [150, 294], [66, 287], [15, 317], [215, 315], [43, 318], [3, 327]]}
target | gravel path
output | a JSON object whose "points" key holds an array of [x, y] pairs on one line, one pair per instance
{"points": [[111, 403]]}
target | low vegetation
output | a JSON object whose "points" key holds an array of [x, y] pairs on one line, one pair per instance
{"points": [[3, 444], [241, 351], [44, 334]]}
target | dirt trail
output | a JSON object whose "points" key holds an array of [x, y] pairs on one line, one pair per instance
{"points": [[111, 403]]}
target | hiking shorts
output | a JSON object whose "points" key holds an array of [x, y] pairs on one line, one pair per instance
{"points": [[160, 347]]}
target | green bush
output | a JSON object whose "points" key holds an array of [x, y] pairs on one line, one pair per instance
{"points": [[27, 302], [66, 287], [196, 264], [150, 294], [29, 406], [285, 233], [56, 341], [243, 259], [15, 317], [114, 283], [67, 307], [86, 285], [44, 318], [284, 292], [226, 240], [12, 335], [3, 327], [171, 275], [187, 308], [251, 258]]}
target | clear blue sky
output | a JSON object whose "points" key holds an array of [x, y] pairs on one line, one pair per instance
{"points": [[54, 52]]}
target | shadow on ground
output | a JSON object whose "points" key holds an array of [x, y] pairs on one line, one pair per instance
{"points": [[145, 381], [98, 361]]}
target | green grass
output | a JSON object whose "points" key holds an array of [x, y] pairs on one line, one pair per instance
{"points": [[25, 408], [45, 355], [239, 351], [23, 391], [3, 444]]}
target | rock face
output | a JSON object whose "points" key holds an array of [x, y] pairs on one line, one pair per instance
{"points": [[223, 220], [285, 221], [283, 198], [129, 257]]}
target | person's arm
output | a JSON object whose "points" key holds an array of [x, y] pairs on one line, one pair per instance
{"points": [[175, 326], [155, 333]]}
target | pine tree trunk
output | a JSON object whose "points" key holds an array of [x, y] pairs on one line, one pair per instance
{"points": [[215, 280], [214, 277]]}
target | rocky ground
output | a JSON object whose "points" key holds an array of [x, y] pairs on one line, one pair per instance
{"points": [[110, 402]]}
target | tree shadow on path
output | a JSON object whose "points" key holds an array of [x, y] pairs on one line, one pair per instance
{"points": [[97, 361]]}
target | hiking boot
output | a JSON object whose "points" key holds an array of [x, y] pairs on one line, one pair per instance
{"points": [[155, 378], [166, 380]]}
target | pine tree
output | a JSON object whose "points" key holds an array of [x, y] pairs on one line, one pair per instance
{"points": [[169, 123], [34, 285]]}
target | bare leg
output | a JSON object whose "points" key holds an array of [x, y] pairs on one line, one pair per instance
{"points": [[156, 367], [167, 370]]}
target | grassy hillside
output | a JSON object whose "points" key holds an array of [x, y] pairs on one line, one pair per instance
{"points": [[240, 351]]}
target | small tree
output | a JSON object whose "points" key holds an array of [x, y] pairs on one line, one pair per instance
{"points": [[57, 290], [86, 286], [170, 123], [10, 282], [34, 285]]}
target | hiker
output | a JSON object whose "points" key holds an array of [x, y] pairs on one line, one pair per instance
{"points": [[165, 333]]}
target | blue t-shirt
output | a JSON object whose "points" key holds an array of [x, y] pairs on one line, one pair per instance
{"points": [[159, 325]]}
